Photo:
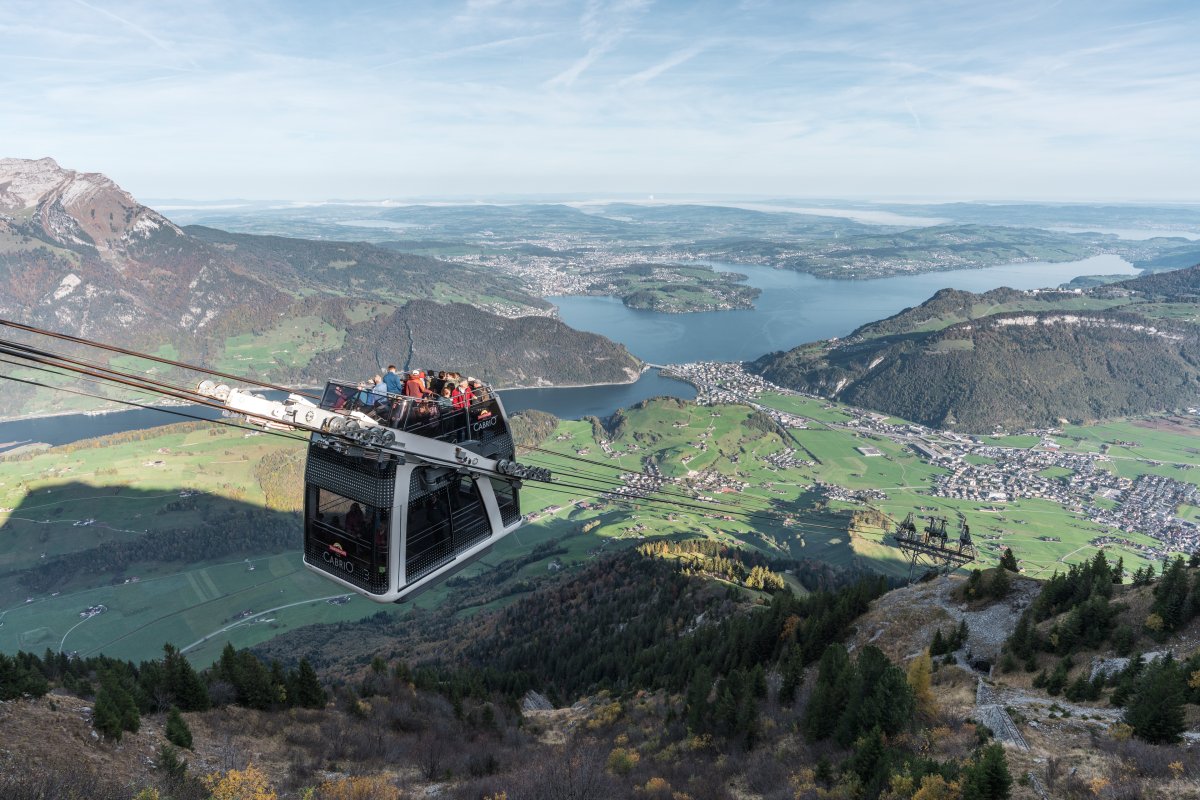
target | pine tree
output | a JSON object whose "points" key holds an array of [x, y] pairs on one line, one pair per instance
{"points": [[184, 685], [938, 646], [1171, 596], [1008, 561], [1155, 710], [178, 732], [988, 778], [106, 717], [834, 677], [305, 690]]}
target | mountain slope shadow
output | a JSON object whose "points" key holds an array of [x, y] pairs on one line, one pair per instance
{"points": [[121, 570]]}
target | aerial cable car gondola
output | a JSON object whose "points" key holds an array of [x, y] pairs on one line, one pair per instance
{"points": [[398, 493]]}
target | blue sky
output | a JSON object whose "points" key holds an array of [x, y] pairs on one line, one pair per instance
{"points": [[871, 100]]}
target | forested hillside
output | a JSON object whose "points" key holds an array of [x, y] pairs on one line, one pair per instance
{"points": [[1018, 360], [525, 351]]}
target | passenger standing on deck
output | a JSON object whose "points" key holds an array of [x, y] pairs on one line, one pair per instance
{"points": [[395, 384], [458, 396], [445, 404], [413, 387]]}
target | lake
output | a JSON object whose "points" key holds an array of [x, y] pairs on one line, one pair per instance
{"points": [[795, 308]]}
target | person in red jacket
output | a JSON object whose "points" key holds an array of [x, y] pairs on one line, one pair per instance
{"points": [[414, 386]]}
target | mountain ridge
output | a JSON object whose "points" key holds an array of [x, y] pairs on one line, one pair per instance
{"points": [[1012, 366]]}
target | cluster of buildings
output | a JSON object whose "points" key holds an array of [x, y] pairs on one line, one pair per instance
{"points": [[1016, 473], [1148, 506], [719, 382], [831, 491], [787, 458]]}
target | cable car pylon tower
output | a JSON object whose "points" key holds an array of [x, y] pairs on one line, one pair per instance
{"points": [[932, 547]]}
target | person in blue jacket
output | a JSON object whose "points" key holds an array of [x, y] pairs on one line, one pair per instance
{"points": [[395, 384]]}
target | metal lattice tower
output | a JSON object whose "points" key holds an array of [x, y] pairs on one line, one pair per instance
{"points": [[932, 546]]}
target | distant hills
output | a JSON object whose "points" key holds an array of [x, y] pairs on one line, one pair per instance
{"points": [[1015, 359], [79, 255]]}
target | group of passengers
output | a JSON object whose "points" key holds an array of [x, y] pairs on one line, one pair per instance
{"points": [[420, 400]]}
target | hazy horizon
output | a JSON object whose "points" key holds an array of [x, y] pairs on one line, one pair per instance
{"points": [[868, 101]]}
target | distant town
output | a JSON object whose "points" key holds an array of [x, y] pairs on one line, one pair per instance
{"points": [[988, 473]]}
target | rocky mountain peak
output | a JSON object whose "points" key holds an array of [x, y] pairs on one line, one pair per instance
{"points": [[78, 210]]}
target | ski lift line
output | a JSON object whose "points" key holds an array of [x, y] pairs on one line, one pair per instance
{"points": [[558, 487], [745, 515], [159, 359], [58, 374], [799, 518], [628, 471], [804, 527], [594, 491], [51, 360]]}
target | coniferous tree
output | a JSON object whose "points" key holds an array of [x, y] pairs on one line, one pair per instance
{"points": [[698, 708], [1155, 710], [834, 676], [178, 732], [1009, 561], [988, 778], [106, 716], [184, 685], [306, 690], [1171, 596]]}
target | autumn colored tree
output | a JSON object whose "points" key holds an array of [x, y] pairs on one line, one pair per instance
{"points": [[357, 788], [248, 784], [920, 680]]}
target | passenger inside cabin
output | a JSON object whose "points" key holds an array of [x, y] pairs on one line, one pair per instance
{"points": [[355, 520]]}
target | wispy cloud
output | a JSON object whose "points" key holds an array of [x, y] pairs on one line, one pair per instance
{"points": [[133, 26], [652, 72], [603, 25]]}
